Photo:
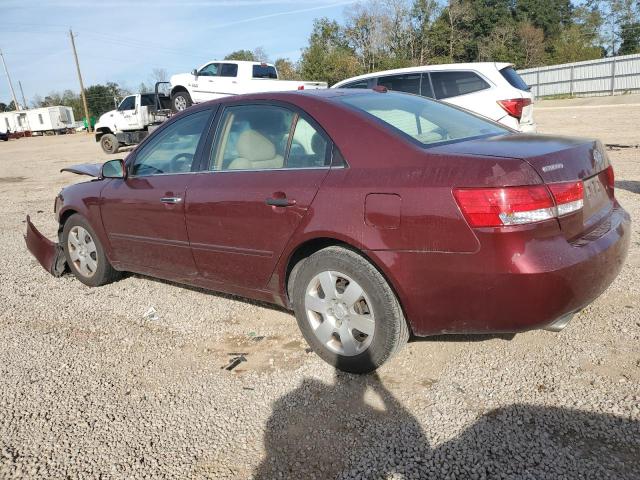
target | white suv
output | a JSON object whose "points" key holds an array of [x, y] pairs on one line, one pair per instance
{"points": [[493, 90]]}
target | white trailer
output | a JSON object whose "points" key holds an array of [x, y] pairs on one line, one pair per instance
{"points": [[50, 119], [14, 122]]}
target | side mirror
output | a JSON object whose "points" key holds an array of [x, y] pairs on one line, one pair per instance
{"points": [[194, 72], [114, 169]]}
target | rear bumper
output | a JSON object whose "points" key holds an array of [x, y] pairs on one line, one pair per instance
{"points": [[515, 282], [49, 254], [528, 128]]}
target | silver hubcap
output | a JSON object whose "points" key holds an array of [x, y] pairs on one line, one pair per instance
{"points": [[340, 313], [181, 103], [82, 251]]}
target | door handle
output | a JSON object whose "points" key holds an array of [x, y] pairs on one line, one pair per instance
{"points": [[171, 200], [280, 202]]}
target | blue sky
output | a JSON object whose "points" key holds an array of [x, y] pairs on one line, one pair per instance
{"points": [[123, 41]]}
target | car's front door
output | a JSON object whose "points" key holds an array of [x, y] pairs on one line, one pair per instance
{"points": [[205, 85], [265, 168], [143, 215], [125, 118]]}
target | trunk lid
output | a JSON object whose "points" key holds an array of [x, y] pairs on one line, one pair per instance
{"points": [[556, 160]]}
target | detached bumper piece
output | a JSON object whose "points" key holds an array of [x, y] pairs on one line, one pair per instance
{"points": [[49, 254]]}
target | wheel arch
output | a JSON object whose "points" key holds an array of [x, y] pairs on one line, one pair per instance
{"points": [[179, 88], [309, 247], [100, 131]]}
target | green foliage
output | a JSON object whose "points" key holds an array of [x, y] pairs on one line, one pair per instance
{"points": [[630, 36], [241, 55]]}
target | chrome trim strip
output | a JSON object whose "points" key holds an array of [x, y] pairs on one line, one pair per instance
{"points": [[226, 249], [151, 240]]}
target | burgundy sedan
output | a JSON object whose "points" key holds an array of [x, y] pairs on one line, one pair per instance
{"points": [[373, 215]]}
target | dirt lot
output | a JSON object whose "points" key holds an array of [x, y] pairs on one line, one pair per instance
{"points": [[91, 388]]}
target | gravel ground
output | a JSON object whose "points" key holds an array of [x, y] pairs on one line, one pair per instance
{"points": [[89, 387]]}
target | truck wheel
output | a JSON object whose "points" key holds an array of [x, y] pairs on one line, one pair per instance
{"points": [[181, 101], [109, 143]]}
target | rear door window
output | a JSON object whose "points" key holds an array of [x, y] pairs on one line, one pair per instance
{"points": [[229, 70], [409, 83], [452, 84], [515, 80]]}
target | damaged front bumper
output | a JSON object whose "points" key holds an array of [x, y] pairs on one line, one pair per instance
{"points": [[48, 253]]}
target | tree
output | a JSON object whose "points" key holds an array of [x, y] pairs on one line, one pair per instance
{"points": [[422, 16], [630, 37], [328, 57], [549, 15], [532, 45], [3, 107], [286, 69], [241, 55], [572, 46]]}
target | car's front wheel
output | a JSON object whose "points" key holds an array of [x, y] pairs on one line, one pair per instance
{"points": [[85, 254], [347, 311], [181, 101]]}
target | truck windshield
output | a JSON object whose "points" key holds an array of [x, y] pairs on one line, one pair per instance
{"points": [[264, 71], [421, 119]]}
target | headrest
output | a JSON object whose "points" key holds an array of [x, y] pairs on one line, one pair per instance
{"points": [[255, 147]]}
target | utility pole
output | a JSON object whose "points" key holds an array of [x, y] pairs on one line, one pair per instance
{"points": [[84, 97], [13, 94], [24, 100]]}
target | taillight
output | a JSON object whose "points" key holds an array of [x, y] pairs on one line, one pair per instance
{"points": [[301, 87], [569, 196], [505, 206], [611, 178], [514, 106], [495, 207]]}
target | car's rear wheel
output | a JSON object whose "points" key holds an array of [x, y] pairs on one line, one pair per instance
{"points": [[85, 254], [347, 311], [181, 101], [109, 143]]}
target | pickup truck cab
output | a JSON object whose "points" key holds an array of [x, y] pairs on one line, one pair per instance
{"points": [[222, 78], [129, 123]]}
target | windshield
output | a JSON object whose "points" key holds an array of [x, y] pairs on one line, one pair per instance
{"points": [[422, 119]]}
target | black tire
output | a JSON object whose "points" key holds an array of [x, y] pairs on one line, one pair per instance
{"points": [[109, 143], [391, 330], [104, 273], [180, 101]]}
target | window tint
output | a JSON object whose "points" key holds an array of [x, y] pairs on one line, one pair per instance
{"points": [[409, 83], [451, 84], [425, 86], [359, 84], [173, 149], [308, 147], [229, 70], [264, 71], [251, 137], [514, 79], [128, 103], [210, 70], [422, 119]]}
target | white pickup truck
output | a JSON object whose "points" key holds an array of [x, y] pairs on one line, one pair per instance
{"points": [[225, 77], [132, 121]]}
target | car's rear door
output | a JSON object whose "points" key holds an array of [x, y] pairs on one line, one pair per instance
{"points": [[261, 182], [143, 214]]}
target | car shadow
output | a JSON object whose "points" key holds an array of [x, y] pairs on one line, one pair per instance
{"points": [[632, 186], [356, 428], [213, 293]]}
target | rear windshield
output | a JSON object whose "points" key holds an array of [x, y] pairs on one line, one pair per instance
{"points": [[514, 79], [264, 71], [423, 120]]}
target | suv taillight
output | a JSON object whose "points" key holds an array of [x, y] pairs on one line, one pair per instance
{"points": [[611, 178], [514, 106], [506, 206]]}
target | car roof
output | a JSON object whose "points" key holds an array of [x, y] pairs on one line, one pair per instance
{"points": [[478, 66]]}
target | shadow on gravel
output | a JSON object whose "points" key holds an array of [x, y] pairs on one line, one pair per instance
{"points": [[632, 186], [355, 428]]}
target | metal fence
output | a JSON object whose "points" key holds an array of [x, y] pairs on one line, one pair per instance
{"points": [[605, 76]]}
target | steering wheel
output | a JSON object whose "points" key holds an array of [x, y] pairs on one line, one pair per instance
{"points": [[181, 163]]}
